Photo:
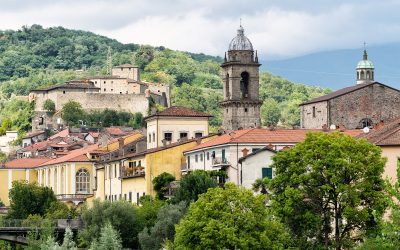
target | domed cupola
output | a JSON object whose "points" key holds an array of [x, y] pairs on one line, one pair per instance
{"points": [[365, 70], [240, 42]]}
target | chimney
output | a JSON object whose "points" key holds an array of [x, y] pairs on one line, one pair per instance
{"points": [[325, 128], [245, 151]]}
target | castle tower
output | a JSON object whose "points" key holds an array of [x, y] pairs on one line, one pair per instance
{"points": [[240, 75], [365, 70]]}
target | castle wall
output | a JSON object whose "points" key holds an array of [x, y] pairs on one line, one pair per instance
{"points": [[117, 86]]}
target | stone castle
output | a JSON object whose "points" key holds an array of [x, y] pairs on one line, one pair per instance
{"points": [[122, 91]]}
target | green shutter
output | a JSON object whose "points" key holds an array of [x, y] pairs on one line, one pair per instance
{"points": [[267, 172]]}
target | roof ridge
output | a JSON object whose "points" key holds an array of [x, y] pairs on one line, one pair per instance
{"points": [[248, 131], [386, 135]]}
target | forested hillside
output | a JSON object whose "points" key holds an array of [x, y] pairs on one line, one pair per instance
{"points": [[33, 57]]}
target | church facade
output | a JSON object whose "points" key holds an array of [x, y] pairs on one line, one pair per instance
{"points": [[240, 76], [362, 105]]}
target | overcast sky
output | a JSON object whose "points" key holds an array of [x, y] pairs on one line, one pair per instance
{"points": [[277, 28]]}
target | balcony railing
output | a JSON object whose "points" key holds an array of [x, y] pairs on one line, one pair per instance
{"points": [[219, 161], [133, 172], [73, 197]]}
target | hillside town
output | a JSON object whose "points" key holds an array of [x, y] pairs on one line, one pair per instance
{"points": [[83, 165]]}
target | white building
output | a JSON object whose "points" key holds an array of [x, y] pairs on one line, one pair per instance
{"points": [[6, 140]]}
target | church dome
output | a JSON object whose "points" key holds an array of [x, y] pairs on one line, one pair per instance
{"points": [[365, 63], [240, 42]]}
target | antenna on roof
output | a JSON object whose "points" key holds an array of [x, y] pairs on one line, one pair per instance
{"points": [[109, 61]]}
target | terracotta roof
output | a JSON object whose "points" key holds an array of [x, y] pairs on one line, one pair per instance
{"points": [[37, 146], [180, 112], [33, 134], [260, 135], [256, 152], [25, 163], [94, 134], [114, 131], [63, 133], [343, 91], [73, 156], [387, 135]]}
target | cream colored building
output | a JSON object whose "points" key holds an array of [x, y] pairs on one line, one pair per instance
{"points": [[175, 124]]}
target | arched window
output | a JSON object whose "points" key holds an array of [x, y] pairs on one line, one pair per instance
{"points": [[365, 122], [358, 75], [368, 75], [227, 91], [244, 84], [82, 181], [362, 75]]}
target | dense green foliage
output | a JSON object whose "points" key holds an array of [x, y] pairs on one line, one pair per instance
{"points": [[230, 218], [161, 183], [28, 198], [164, 228], [126, 218], [193, 184], [329, 190], [109, 239], [49, 106]]}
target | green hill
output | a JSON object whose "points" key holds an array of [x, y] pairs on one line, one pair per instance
{"points": [[34, 56]]}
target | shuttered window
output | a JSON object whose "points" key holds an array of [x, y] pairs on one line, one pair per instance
{"points": [[267, 172]]}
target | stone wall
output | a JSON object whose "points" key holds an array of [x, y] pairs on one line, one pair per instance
{"points": [[376, 102], [314, 115], [240, 115]]}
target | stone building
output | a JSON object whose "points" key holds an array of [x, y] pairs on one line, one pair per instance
{"points": [[240, 76], [122, 91], [362, 105]]}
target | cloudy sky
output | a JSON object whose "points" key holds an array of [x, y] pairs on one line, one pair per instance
{"points": [[277, 28]]}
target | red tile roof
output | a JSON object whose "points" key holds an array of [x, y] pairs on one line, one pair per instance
{"points": [[259, 135], [62, 134], [387, 135], [37, 146], [180, 112], [33, 134], [114, 131], [25, 163], [73, 156]]}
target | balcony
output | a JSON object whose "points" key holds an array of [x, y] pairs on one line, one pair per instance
{"points": [[219, 162], [133, 172], [76, 198]]}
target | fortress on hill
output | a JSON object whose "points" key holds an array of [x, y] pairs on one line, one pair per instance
{"points": [[122, 91]]}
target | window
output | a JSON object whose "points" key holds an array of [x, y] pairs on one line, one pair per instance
{"points": [[196, 158], [104, 81], [64, 92], [201, 157], [82, 181], [183, 135], [168, 136], [115, 171], [104, 89], [124, 196], [137, 198], [208, 156], [112, 90], [149, 137], [313, 111], [267, 173], [213, 154], [198, 134], [154, 137], [245, 110], [223, 155], [244, 84], [228, 93], [139, 163], [188, 161], [130, 196]]}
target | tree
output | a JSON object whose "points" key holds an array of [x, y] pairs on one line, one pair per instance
{"points": [[161, 182], [143, 56], [328, 189], [28, 198], [121, 215], [270, 112], [261, 185], [230, 218], [109, 239], [164, 229], [193, 184], [49, 106], [68, 242], [72, 112], [190, 97]]}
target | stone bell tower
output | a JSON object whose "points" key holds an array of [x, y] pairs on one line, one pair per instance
{"points": [[240, 76]]}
